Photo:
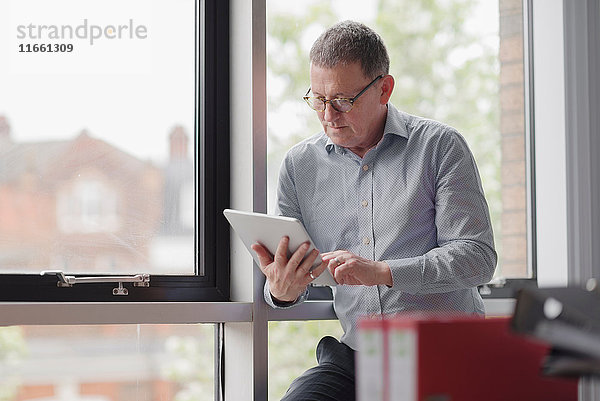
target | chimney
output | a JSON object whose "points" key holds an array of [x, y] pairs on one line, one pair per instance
{"points": [[178, 144]]}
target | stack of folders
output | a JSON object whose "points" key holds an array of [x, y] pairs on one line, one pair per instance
{"points": [[569, 320], [429, 357]]}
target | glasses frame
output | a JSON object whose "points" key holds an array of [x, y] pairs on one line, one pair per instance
{"points": [[307, 99]]}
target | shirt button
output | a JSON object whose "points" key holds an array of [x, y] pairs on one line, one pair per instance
{"points": [[364, 203], [365, 167], [366, 241]]}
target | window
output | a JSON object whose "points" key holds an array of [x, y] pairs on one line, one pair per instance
{"points": [[108, 166], [285, 362], [107, 363], [108, 159], [462, 63], [88, 205]]}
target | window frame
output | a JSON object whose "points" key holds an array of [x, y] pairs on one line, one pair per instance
{"points": [[508, 288], [212, 192]]}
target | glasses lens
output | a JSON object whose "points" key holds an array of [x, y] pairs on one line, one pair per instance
{"points": [[316, 103], [342, 105]]}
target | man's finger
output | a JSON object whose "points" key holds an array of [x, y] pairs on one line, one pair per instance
{"points": [[281, 252], [303, 272], [317, 271], [333, 264], [339, 276], [308, 262], [299, 254], [329, 255], [264, 256], [331, 267]]}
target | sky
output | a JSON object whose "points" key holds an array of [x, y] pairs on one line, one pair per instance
{"points": [[130, 91]]}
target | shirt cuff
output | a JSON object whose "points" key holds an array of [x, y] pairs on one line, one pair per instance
{"points": [[271, 302], [407, 274]]}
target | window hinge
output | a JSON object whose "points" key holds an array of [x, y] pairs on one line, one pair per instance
{"points": [[138, 280]]}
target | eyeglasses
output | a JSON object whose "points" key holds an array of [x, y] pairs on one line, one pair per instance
{"points": [[341, 104]]}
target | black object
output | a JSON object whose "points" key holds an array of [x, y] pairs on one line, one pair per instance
{"points": [[569, 320], [570, 364]]}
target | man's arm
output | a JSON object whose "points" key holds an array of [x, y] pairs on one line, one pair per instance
{"points": [[465, 256], [350, 269]]}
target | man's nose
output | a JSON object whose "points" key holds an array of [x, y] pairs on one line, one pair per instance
{"points": [[330, 114]]}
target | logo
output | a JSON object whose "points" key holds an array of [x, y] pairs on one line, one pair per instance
{"points": [[85, 31]]}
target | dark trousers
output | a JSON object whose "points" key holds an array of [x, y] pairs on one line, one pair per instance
{"points": [[331, 380]]}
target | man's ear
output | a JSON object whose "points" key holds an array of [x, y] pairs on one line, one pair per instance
{"points": [[387, 87]]}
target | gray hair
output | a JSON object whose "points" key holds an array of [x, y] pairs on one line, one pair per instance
{"points": [[348, 42]]}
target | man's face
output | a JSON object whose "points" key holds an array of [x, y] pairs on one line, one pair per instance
{"points": [[362, 127]]}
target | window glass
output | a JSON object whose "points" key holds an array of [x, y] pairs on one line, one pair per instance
{"points": [[97, 136], [107, 363], [292, 347], [459, 62]]}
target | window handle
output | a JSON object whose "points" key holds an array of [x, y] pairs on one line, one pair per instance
{"points": [[138, 280]]}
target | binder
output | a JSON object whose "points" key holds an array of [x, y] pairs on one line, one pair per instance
{"points": [[371, 362], [461, 357]]}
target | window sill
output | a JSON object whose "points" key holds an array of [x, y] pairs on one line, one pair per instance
{"points": [[75, 313], [499, 306]]}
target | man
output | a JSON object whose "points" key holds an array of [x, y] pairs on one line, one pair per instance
{"points": [[395, 202]]}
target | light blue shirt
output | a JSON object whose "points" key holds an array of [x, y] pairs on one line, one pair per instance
{"points": [[414, 201]]}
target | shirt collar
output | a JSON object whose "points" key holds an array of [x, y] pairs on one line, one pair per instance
{"points": [[395, 124], [329, 146]]}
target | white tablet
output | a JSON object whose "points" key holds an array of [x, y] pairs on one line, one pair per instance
{"points": [[268, 230]]}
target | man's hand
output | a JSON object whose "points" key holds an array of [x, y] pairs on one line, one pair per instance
{"points": [[350, 269], [288, 278]]}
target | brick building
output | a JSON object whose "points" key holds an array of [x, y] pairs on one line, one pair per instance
{"points": [[512, 240], [82, 205]]}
